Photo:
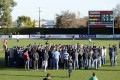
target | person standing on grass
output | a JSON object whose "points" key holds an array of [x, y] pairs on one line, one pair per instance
{"points": [[26, 59], [95, 59], [103, 55], [51, 51], [114, 56], [80, 58], [35, 59], [116, 53], [56, 56], [110, 52], [75, 59], [93, 77], [11, 58], [73, 37], [90, 41], [65, 59], [17, 39], [45, 57], [6, 57], [5, 42], [70, 61]]}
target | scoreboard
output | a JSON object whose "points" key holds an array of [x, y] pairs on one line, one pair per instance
{"points": [[101, 19]]}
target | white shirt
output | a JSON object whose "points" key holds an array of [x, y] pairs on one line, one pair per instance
{"points": [[103, 52]]}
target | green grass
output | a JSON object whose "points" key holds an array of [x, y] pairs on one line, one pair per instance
{"points": [[104, 73]]}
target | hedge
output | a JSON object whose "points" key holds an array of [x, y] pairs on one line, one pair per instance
{"points": [[6, 31]]}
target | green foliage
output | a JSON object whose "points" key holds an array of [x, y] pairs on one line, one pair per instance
{"points": [[117, 15], [66, 20], [25, 21], [6, 7], [6, 31], [34, 23], [45, 30], [117, 21]]}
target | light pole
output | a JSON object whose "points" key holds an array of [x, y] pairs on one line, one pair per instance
{"points": [[39, 17]]}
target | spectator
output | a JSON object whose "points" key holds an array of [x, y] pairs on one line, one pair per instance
{"points": [[73, 37], [45, 57], [70, 66], [26, 59], [110, 52], [6, 56], [35, 59], [93, 77], [65, 59], [75, 59], [11, 58], [114, 56], [48, 77], [103, 55], [5, 42], [17, 38], [56, 56], [90, 41], [95, 59]]}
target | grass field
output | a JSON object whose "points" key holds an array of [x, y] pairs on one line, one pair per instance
{"points": [[104, 73]]}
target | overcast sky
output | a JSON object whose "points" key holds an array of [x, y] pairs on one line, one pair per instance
{"points": [[50, 7]]}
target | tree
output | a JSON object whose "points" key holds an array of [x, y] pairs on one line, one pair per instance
{"points": [[34, 23], [66, 20], [117, 15], [6, 7], [25, 21]]}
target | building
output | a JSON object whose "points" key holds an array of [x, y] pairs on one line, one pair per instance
{"points": [[45, 23]]}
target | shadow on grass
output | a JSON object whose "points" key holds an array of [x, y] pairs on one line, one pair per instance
{"points": [[21, 75], [60, 76], [99, 69], [33, 76], [106, 67], [2, 63], [113, 70]]}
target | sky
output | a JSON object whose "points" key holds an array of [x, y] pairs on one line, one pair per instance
{"points": [[49, 8]]}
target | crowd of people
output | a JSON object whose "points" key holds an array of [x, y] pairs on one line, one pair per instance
{"points": [[55, 56]]}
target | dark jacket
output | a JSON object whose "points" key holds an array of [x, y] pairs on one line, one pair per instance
{"points": [[35, 56], [45, 55]]}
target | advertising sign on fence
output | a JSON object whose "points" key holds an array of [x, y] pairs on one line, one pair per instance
{"points": [[4, 36], [34, 36], [117, 36], [20, 36], [87, 36], [104, 36]]}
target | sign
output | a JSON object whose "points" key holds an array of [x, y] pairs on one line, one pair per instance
{"points": [[117, 36], [20, 36], [35, 36], [87, 36], [104, 36], [4, 37], [62, 36], [101, 19]]}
